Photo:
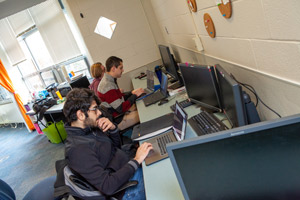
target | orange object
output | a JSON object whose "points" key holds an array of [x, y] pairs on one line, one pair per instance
{"points": [[6, 82], [59, 95], [73, 74]]}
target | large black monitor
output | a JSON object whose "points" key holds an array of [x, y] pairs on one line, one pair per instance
{"points": [[169, 62], [201, 85], [231, 98], [81, 82], [258, 161]]}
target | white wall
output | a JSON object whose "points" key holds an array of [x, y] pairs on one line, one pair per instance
{"points": [[260, 41], [132, 40]]}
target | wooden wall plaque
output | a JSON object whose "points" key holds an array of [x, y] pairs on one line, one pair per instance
{"points": [[225, 7], [209, 25], [192, 5]]}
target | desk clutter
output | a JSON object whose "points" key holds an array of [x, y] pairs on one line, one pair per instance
{"points": [[223, 129]]}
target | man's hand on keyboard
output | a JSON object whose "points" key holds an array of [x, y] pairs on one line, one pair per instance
{"points": [[138, 92], [142, 152]]}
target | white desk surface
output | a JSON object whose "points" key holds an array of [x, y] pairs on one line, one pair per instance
{"points": [[54, 109], [159, 178]]}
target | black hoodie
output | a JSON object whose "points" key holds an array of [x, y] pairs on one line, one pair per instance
{"points": [[97, 157]]}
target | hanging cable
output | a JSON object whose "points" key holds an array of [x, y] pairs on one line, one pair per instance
{"points": [[258, 99]]}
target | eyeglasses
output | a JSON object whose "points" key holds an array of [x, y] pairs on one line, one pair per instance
{"points": [[95, 108]]}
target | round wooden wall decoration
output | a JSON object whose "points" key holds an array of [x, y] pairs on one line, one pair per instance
{"points": [[192, 5], [209, 25], [225, 8]]}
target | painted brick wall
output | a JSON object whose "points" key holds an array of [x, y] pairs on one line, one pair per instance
{"points": [[259, 44]]}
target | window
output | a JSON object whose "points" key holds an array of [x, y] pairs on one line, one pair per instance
{"points": [[26, 67], [78, 67], [48, 77], [105, 27], [38, 50], [4, 96], [34, 83]]}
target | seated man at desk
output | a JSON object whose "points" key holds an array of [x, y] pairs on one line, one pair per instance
{"points": [[114, 99], [93, 147]]}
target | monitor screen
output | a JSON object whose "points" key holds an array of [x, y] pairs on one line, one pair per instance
{"points": [[81, 82], [201, 85], [169, 62], [258, 161], [231, 98]]}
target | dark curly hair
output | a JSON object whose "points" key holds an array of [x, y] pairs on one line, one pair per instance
{"points": [[112, 61], [78, 99]]}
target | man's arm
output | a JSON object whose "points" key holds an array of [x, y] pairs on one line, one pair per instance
{"points": [[114, 98]]}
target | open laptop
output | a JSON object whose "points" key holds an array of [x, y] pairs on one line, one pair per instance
{"points": [[177, 133], [150, 85], [158, 94]]}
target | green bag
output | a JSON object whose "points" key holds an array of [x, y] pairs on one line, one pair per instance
{"points": [[52, 134]]}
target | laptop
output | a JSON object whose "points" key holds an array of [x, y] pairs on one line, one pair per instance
{"points": [[177, 133], [150, 85], [158, 94]]}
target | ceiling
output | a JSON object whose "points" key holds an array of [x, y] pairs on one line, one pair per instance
{"points": [[9, 7]]}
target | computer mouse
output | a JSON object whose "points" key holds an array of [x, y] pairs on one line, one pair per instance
{"points": [[163, 101]]}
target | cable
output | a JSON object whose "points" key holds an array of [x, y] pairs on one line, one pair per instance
{"points": [[250, 88]]}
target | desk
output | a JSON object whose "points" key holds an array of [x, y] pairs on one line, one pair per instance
{"points": [[159, 178], [50, 115]]}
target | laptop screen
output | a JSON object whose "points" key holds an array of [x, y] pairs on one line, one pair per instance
{"points": [[164, 83], [180, 120], [150, 80]]}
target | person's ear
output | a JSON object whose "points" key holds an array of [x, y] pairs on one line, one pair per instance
{"points": [[113, 69], [80, 115]]}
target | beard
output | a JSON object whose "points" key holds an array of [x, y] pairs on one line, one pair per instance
{"points": [[88, 122]]}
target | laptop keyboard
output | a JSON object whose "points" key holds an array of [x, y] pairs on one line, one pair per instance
{"points": [[205, 123], [156, 96], [162, 142], [185, 103]]}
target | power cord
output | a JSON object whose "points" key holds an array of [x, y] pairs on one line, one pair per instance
{"points": [[258, 99]]}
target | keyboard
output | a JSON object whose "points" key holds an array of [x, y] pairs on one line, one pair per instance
{"points": [[162, 142], [154, 97], [185, 103], [206, 123]]}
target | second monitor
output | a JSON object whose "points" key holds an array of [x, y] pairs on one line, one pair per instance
{"points": [[201, 85]]}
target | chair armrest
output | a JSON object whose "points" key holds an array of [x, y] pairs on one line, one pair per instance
{"points": [[127, 185]]}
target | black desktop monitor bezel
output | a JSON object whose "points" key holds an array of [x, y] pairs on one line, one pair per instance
{"points": [[240, 116], [81, 82], [252, 130], [205, 71], [169, 62]]}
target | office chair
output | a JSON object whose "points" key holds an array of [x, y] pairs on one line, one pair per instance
{"points": [[71, 183], [43, 190]]}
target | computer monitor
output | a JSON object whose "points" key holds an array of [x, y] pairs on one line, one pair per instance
{"points": [[231, 98], [81, 82], [258, 161], [201, 85], [169, 62]]}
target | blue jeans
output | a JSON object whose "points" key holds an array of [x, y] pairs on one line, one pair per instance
{"points": [[138, 191]]}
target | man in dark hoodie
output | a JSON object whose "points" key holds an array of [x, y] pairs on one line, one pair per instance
{"points": [[93, 147]]}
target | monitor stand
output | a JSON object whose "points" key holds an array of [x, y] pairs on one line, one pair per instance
{"points": [[175, 85]]}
